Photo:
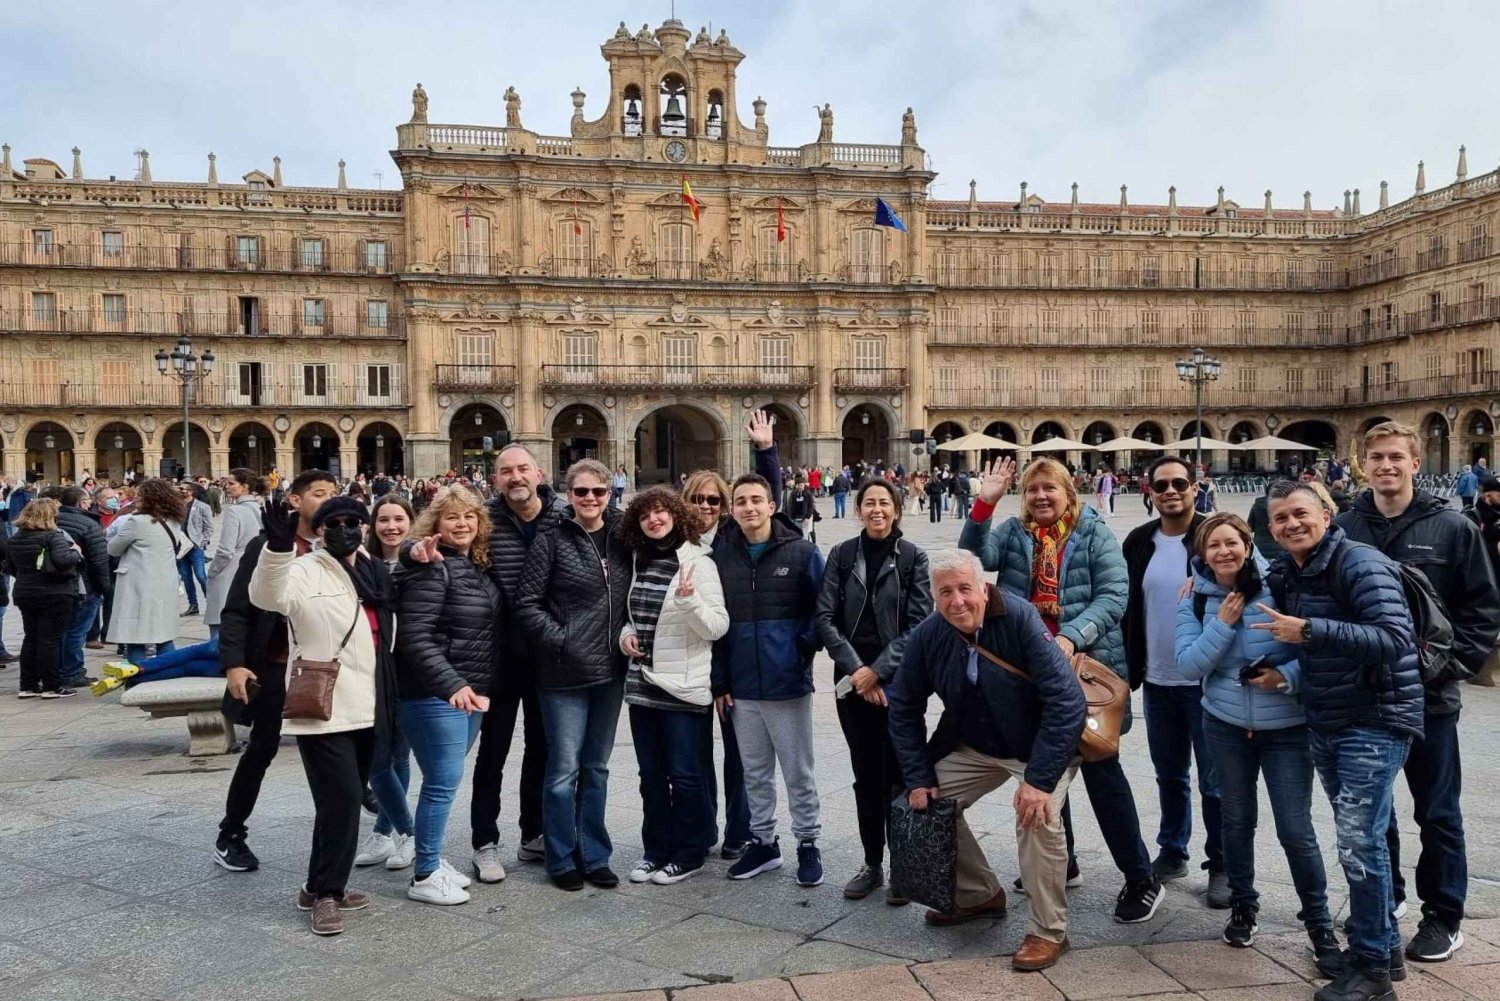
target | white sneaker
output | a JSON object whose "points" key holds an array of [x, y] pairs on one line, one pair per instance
{"points": [[403, 851], [454, 875], [487, 865], [642, 871], [376, 849], [437, 888], [534, 850]]}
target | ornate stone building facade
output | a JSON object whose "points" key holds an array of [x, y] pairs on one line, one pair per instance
{"points": [[558, 291]]}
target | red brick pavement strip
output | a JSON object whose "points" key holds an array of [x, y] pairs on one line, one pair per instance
{"points": [[1115, 973]]}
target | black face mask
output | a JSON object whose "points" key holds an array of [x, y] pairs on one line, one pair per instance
{"points": [[342, 540]]}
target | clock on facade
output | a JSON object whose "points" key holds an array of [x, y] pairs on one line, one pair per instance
{"points": [[676, 151]]}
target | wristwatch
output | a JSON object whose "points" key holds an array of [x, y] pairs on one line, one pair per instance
{"points": [[1306, 630], [1284, 686]]}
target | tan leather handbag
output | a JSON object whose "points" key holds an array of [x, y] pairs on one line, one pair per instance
{"points": [[1106, 695], [310, 683]]}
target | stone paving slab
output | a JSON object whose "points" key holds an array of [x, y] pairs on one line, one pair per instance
{"points": [[107, 890]]}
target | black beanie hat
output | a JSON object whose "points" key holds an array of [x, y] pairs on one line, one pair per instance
{"points": [[340, 507]]}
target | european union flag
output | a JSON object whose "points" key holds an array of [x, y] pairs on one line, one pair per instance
{"points": [[886, 216]]}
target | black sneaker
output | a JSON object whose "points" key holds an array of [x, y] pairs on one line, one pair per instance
{"points": [[1241, 929], [733, 851], [1434, 941], [29, 693], [63, 693], [867, 879], [191, 611], [758, 858], [1165, 868], [1324, 945], [1397, 965], [1075, 878], [569, 880], [233, 854], [809, 864], [603, 877], [1138, 901], [1357, 984]]}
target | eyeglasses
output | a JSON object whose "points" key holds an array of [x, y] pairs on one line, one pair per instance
{"points": [[1162, 486], [712, 500], [600, 492]]}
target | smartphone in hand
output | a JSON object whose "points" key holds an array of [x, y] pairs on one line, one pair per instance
{"points": [[1252, 670], [844, 687]]}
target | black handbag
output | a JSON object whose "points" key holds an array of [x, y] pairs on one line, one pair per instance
{"points": [[924, 853]]}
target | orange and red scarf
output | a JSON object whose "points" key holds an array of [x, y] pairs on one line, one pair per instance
{"points": [[1046, 558]]}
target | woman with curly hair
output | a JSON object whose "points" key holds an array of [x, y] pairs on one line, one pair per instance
{"points": [[148, 543], [674, 612], [447, 647]]}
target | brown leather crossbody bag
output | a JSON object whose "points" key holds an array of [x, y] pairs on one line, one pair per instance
{"points": [[1106, 695], [310, 683]]}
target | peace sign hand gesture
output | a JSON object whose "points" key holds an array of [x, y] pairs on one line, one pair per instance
{"points": [[1285, 628], [685, 588], [996, 479]]}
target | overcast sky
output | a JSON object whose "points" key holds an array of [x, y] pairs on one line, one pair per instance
{"points": [[1282, 94]]}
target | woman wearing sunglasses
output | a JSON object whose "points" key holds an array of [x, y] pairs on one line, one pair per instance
{"points": [[571, 603], [1063, 558]]}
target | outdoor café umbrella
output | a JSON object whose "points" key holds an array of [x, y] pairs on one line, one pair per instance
{"points": [[1273, 442], [1128, 444], [976, 442], [1208, 445], [1061, 445]]}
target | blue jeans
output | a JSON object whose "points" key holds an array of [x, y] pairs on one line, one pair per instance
{"points": [[736, 802], [838, 503], [390, 777], [1174, 734], [440, 737], [200, 660], [580, 725], [1282, 756], [1358, 767], [674, 798], [191, 566], [1434, 775], [136, 652], [85, 611]]}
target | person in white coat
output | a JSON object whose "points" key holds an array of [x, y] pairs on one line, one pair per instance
{"points": [[148, 543], [241, 524], [339, 604], [676, 611]]}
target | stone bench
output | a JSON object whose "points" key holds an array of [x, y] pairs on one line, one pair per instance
{"points": [[199, 699]]}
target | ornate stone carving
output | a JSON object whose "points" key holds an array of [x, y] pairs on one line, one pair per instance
{"points": [[10, 423], [715, 265], [148, 424], [893, 272], [637, 261], [774, 312], [80, 423], [346, 424], [678, 312]]}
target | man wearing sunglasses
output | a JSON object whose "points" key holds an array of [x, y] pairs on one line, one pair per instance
{"points": [[1157, 557]]}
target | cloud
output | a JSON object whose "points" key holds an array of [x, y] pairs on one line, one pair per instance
{"points": [[1277, 94]]}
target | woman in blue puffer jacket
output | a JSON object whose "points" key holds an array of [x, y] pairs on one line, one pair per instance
{"points": [[1064, 559], [1254, 723]]}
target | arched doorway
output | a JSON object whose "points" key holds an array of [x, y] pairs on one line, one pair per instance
{"points": [[1096, 434], [1004, 431], [1479, 430], [1242, 432], [1369, 422], [317, 447], [199, 461], [252, 447], [946, 432], [1435, 444], [867, 436], [578, 432], [467, 431], [49, 453], [674, 441], [1320, 435], [380, 450], [117, 447], [1150, 431]]}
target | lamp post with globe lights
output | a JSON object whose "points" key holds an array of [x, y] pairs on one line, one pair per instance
{"points": [[189, 369], [1199, 370]]}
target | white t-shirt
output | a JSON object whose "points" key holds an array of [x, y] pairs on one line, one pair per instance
{"points": [[1159, 590]]}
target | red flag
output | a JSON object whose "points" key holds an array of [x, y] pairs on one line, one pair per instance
{"points": [[780, 222], [577, 227], [466, 205], [691, 202]]}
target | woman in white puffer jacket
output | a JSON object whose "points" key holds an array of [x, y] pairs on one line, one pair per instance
{"points": [[676, 611]]}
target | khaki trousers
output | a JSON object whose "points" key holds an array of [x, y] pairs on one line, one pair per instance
{"points": [[966, 775]]}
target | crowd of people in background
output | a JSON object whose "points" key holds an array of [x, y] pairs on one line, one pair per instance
{"points": [[1325, 635]]}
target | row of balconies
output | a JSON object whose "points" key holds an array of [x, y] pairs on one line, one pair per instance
{"points": [[1129, 337], [497, 378], [131, 321], [163, 392], [1456, 314], [295, 260]]}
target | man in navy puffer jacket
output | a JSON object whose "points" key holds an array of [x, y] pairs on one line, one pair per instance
{"points": [[1345, 607]]}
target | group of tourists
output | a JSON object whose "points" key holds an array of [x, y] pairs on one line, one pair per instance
{"points": [[1317, 642]]}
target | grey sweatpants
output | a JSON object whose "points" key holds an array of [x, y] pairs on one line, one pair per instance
{"points": [[769, 732]]}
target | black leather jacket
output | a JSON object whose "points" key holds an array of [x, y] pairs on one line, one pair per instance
{"points": [[902, 598]]}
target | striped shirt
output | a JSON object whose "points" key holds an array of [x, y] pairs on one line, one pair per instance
{"points": [[648, 592]]}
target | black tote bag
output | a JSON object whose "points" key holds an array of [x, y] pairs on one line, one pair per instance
{"points": [[924, 853]]}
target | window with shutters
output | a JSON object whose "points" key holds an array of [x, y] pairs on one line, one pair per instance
{"points": [[1387, 373], [575, 238], [1323, 380], [1047, 270], [1292, 324], [1479, 365], [1245, 380], [776, 359], [44, 307], [680, 353], [999, 383], [471, 238], [313, 254], [1051, 321], [999, 320], [948, 268], [947, 382], [1326, 274], [1432, 365], [1388, 317], [114, 382], [580, 357], [1198, 325], [476, 355], [1246, 268], [43, 372], [376, 255], [773, 256], [314, 381], [947, 319], [1325, 325], [112, 243], [1244, 324], [1294, 380], [1099, 384], [869, 360], [247, 250], [999, 269], [1149, 382], [1435, 307], [1049, 384], [312, 312], [1099, 326], [1151, 325], [867, 252], [676, 259], [377, 314], [1292, 272], [114, 308], [41, 242], [1478, 243], [1098, 272], [378, 381], [1150, 272]]}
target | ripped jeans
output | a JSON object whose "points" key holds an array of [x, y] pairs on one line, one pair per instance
{"points": [[1358, 766]]}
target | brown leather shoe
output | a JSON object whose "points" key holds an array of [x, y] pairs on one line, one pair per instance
{"points": [[94, 645], [326, 919], [993, 908], [353, 900], [1038, 953]]}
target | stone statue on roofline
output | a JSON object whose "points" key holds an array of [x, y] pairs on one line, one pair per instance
{"points": [[909, 128], [419, 104], [825, 123], [512, 108]]}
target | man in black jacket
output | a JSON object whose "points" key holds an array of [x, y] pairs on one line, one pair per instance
{"points": [[1421, 530], [253, 649], [84, 527], [995, 726], [1157, 558]]}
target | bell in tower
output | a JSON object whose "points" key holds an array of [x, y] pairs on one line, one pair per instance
{"points": [[674, 120]]}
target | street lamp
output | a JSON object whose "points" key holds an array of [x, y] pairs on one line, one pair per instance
{"points": [[1199, 370], [188, 369]]}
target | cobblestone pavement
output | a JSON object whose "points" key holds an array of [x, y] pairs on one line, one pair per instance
{"points": [[107, 889]]}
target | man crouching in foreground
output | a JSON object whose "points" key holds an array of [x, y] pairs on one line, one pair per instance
{"points": [[996, 725]]}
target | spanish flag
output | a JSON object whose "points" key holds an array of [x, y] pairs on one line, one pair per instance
{"points": [[780, 222], [691, 202]]}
